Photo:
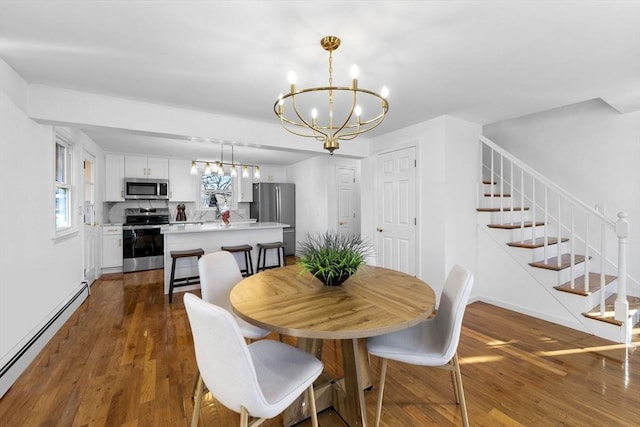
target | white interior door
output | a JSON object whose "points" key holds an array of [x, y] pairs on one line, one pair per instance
{"points": [[90, 253], [348, 218], [396, 229]]}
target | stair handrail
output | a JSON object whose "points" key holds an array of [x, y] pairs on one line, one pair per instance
{"points": [[611, 223]]}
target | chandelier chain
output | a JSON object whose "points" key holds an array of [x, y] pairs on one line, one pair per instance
{"points": [[331, 90]]}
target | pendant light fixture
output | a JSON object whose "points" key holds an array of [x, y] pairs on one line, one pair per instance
{"points": [[218, 166]]}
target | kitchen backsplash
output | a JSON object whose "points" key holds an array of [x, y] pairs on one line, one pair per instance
{"points": [[114, 211]]}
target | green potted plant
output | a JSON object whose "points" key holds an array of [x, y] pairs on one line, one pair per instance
{"points": [[333, 257]]}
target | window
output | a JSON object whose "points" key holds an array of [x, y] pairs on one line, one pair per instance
{"points": [[63, 185], [216, 192]]}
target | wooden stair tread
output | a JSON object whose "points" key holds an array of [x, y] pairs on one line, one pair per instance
{"points": [[486, 181], [497, 195], [552, 263], [503, 209], [609, 310], [579, 282], [538, 243], [514, 225]]}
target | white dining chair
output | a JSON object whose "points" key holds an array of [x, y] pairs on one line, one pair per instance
{"points": [[219, 273], [433, 342], [258, 380]]}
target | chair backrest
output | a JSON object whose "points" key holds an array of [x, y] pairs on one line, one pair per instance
{"points": [[219, 273], [223, 357], [453, 303]]}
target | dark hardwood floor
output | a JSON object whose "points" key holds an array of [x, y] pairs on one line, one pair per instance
{"points": [[125, 358]]}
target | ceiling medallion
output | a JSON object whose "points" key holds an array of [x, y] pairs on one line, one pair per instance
{"points": [[335, 113]]}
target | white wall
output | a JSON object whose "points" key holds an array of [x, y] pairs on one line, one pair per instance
{"points": [[38, 274], [447, 164], [316, 199], [589, 149]]}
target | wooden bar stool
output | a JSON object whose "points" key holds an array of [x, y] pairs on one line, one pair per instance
{"points": [[248, 261], [182, 281], [262, 254]]}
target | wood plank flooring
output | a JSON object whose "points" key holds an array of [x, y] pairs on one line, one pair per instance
{"points": [[125, 358]]}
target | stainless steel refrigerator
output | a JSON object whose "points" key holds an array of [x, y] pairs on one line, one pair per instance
{"points": [[276, 202]]}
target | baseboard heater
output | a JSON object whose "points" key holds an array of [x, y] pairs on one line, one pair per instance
{"points": [[34, 339]]}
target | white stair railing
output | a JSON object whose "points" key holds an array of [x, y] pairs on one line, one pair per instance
{"points": [[589, 231]]}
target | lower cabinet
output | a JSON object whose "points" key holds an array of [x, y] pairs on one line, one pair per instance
{"points": [[111, 246]]}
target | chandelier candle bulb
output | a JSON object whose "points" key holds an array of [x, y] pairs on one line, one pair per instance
{"points": [[194, 168], [207, 169], [355, 71]]}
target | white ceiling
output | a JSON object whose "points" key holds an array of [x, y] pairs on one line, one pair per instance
{"points": [[482, 61]]}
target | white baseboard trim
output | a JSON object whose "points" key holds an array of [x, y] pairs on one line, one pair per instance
{"points": [[25, 354], [526, 311]]}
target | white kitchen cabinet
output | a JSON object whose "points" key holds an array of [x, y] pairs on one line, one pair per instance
{"points": [[272, 174], [183, 187], [146, 167], [111, 246], [243, 187], [114, 178]]}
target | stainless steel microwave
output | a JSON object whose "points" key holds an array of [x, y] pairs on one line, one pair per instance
{"points": [[143, 188]]}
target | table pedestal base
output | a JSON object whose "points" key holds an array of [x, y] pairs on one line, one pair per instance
{"points": [[345, 395]]}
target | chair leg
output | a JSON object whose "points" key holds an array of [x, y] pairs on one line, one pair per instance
{"points": [[463, 404], [173, 274], [383, 374], [197, 402], [456, 392], [244, 417], [258, 263], [312, 407], [196, 381]]}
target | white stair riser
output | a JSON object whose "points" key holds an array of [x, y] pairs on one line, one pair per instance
{"points": [[552, 250], [507, 217], [505, 202], [575, 303], [525, 233], [554, 278]]}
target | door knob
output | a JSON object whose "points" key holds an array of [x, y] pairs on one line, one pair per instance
{"points": [[341, 223], [379, 229]]}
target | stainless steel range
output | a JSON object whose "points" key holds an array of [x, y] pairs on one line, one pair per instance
{"points": [[143, 244]]}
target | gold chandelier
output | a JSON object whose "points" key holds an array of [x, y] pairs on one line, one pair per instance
{"points": [[341, 117]]}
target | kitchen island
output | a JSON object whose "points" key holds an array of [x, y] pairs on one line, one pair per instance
{"points": [[210, 237]]}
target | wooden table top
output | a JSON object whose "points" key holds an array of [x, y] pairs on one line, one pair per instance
{"points": [[372, 302]]}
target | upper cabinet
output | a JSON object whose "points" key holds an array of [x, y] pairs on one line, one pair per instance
{"points": [[146, 167], [243, 187], [272, 174], [114, 178], [183, 187]]}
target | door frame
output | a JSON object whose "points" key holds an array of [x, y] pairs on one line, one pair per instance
{"points": [[90, 157]]}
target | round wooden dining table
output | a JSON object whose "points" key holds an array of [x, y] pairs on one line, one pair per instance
{"points": [[372, 302]]}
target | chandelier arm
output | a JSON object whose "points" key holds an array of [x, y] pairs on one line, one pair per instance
{"points": [[313, 128], [289, 126], [352, 135], [346, 121], [305, 135]]}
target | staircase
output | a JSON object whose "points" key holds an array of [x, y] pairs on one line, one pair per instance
{"points": [[572, 251]]}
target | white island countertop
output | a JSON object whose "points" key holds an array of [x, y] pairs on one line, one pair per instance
{"points": [[219, 227]]}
